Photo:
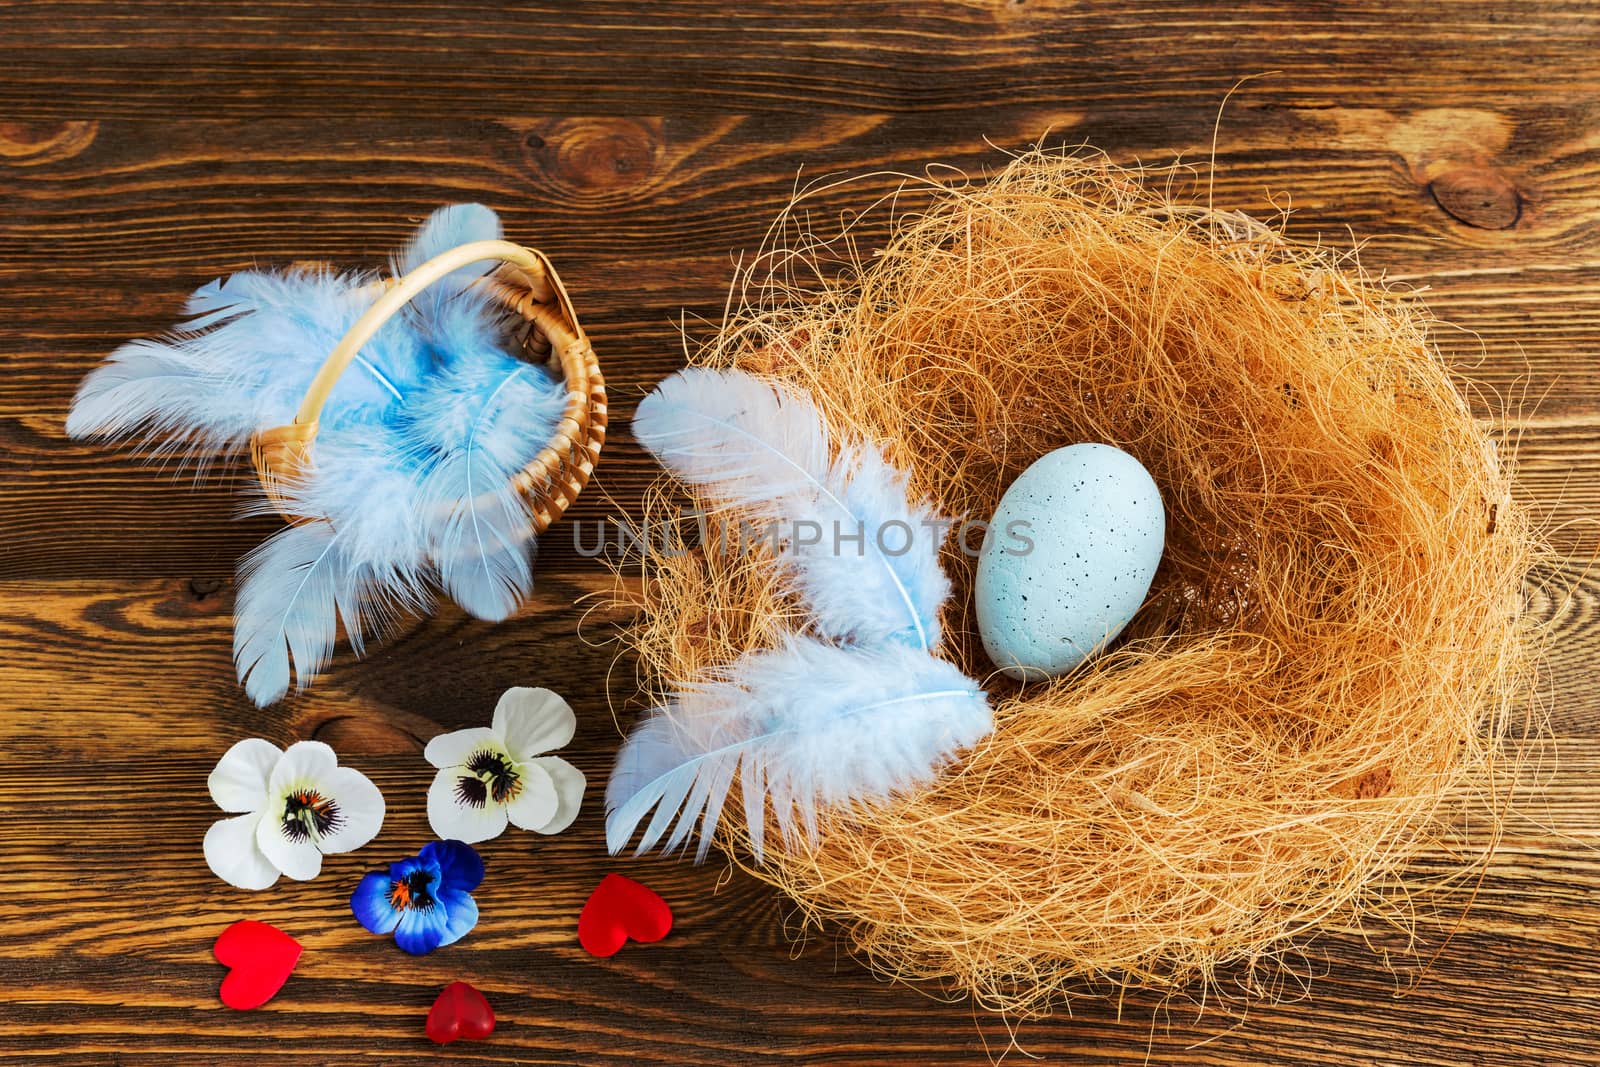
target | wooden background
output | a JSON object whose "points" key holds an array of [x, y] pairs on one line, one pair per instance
{"points": [[147, 147]]}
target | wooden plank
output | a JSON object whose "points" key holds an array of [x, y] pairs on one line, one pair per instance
{"points": [[203, 196], [305, 60]]}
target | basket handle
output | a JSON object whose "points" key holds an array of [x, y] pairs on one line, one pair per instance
{"points": [[534, 272]]}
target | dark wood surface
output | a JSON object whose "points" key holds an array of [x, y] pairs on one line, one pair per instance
{"points": [[146, 147]]}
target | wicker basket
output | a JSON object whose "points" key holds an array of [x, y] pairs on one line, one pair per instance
{"points": [[527, 284]]}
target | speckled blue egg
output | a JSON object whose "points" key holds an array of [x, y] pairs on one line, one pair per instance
{"points": [[1069, 557]]}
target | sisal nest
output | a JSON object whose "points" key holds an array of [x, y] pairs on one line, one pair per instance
{"points": [[1328, 661]]}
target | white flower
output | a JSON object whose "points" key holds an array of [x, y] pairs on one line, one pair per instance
{"points": [[488, 777], [297, 804]]}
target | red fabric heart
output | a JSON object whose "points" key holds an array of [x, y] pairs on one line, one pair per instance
{"points": [[261, 957], [620, 908], [460, 1011]]}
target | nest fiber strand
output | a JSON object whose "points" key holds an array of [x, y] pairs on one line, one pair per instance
{"points": [[1327, 660]]}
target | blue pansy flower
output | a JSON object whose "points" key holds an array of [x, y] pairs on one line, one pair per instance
{"points": [[424, 900]]}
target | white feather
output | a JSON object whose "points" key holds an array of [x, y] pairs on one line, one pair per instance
{"points": [[814, 723], [765, 448], [810, 725]]}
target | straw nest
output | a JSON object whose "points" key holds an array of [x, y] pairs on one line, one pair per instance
{"points": [[1326, 665]]}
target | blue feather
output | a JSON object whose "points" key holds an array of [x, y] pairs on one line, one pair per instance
{"points": [[293, 590], [766, 449], [489, 414], [412, 462], [447, 228], [150, 391], [810, 725], [241, 363]]}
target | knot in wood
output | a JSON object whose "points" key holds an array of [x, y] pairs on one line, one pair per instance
{"points": [[593, 159], [1478, 196]]}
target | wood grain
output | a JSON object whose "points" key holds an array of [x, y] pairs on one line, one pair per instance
{"points": [[147, 147], [305, 60]]}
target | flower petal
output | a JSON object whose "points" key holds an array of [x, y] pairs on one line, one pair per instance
{"points": [[298, 857], [461, 914], [454, 749], [239, 780], [303, 762], [570, 784], [373, 903], [233, 856], [400, 870], [536, 802], [360, 810], [421, 930], [459, 865], [454, 815], [532, 722]]}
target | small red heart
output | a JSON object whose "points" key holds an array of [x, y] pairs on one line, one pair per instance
{"points": [[261, 957], [460, 1011], [620, 908]]}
